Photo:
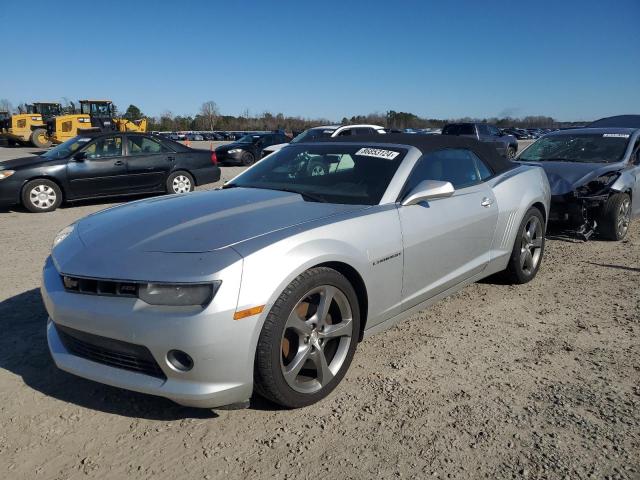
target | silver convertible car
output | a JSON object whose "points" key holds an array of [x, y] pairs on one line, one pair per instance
{"points": [[268, 284]]}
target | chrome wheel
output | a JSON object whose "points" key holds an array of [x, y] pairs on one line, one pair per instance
{"points": [[181, 184], [42, 196], [316, 339], [511, 153], [624, 217], [531, 245]]}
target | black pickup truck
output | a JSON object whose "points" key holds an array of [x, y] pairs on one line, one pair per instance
{"points": [[507, 145]]}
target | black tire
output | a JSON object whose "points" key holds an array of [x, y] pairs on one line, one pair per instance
{"points": [[511, 152], [247, 159], [518, 272], [180, 182], [269, 379], [40, 139], [615, 216], [41, 195]]}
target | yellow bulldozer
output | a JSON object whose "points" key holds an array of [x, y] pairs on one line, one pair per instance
{"points": [[30, 126], [94, 115]]}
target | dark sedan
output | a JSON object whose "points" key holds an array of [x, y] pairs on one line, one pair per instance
{"points": [[104, 165], [249, 148]]}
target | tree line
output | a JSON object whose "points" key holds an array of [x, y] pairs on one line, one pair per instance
{"points": [[209, 118]]}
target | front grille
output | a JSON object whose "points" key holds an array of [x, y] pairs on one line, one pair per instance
{"points": [[108, 351], [99, 287]]}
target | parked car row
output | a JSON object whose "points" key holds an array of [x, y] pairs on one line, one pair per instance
{"points": [[208, 136], [528, 133]]}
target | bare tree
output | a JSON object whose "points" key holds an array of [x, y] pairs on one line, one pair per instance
{"points": [[209, 111], [5, 105]]}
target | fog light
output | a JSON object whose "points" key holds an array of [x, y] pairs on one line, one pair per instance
{"points": [[180, 360]]}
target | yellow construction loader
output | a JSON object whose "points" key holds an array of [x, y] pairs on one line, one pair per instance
{"points": [[94, 115], [29, 127]]}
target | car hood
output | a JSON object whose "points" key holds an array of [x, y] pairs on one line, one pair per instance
{"points": [[565, 177], [199, 222], [22, 162]]}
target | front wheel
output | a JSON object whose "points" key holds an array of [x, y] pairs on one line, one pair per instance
{"points": [[528, 248], [511, 153], [180, 182], [615, 217], [308, 339], [247, 159], [41, 195]]}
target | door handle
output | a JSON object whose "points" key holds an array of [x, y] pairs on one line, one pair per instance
{"points": [[486, 202], [119, 163]]}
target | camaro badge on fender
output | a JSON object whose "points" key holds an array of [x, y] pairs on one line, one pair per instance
{"points": [[386, 258]]}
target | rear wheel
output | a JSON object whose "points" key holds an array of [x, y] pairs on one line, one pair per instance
{"points": [[528, 248], [511, 153], [615, 217], [40, 139], [41, 195], [247, 159], [180, 182], [308, 339]]}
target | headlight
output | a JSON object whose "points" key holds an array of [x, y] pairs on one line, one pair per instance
{"points": [[235, 150], [597, 185], [6, 174], [62, 234], [606, 179], [178, 295]]}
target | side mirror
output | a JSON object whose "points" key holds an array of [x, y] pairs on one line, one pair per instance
{"points": [[80, 156], [428, 190]]}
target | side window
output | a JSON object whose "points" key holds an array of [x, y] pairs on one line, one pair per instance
{"points": [[635, 159], [105, 147], [346, 133], [493, 130], [144, 146], [362, 131], [457, 166], [484, 171], [483, 129]]}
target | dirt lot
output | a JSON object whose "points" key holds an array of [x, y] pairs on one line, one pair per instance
{"points": [[534, 381]]}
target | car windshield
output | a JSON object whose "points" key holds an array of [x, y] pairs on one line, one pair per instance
{"points": [[343, 174], [67, 148], [249, 139], [313, 134], [584, 148]]}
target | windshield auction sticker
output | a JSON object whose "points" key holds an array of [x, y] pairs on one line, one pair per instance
{"points": [[616, 135], [378, 153]]}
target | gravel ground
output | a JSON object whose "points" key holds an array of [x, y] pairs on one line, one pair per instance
{"points": [[497, 381]]}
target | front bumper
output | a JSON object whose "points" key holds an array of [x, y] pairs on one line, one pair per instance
{"points": [[10, 191], [222, 349], [206, 175]]}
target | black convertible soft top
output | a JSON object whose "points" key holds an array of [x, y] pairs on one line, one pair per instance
{"points": [[430, 143]]}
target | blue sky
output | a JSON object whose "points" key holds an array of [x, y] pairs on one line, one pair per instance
{"points": [[573, 60]]}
